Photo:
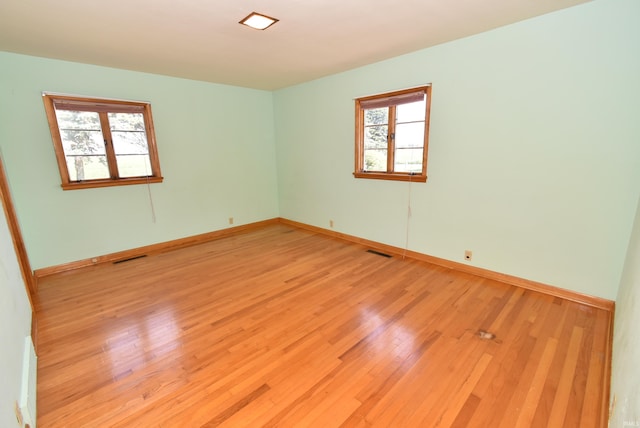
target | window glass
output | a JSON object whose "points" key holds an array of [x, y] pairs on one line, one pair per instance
{"points": [[83, 145], [130, 144], [375, 142]]}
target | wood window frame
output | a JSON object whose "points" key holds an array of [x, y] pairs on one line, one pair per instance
{"points": [[390, 99], [102, 106]]}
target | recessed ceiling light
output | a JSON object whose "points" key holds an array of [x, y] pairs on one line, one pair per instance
{"points": [[258, 21]]}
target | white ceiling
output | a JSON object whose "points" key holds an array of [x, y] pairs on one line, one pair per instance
{"points": [[202, 40]]}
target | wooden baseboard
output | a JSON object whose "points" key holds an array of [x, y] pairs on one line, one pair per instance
{"points": [[573, 296], [606, 379], [151, 249]]}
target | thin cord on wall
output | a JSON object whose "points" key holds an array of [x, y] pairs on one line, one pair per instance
{"points": [[153, 209]]}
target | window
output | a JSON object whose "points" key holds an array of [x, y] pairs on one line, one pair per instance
{"points": [[392, 135], [101, 142]]}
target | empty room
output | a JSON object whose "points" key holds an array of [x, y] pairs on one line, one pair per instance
{"points": [[297, 214]]}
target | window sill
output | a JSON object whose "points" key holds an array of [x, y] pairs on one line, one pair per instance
{"points": [[89, 184], [391, 176]]}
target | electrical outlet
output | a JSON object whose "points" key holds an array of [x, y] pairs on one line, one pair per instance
{"points": [[331, 224], [230, 220], [468, 254]]}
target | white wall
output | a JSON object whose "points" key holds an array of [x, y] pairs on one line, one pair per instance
{"points": [[15, 326], [534, 158], [216, 147], [625, 374]]}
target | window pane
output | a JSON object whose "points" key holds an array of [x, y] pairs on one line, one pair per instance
{"points": [[375, 160], [70, 119], [80, 132], [408, 160], [82, 144], [410, 135], [130, 144], [376, 116], [134, 165], [87, 167], [126, 122], [410, 112], [375, 137]]}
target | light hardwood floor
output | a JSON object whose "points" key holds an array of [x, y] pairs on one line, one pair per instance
{"points": [[283, 327]]}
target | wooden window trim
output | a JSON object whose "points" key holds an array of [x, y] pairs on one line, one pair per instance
{"points": [[101, 106], [390, 174]]}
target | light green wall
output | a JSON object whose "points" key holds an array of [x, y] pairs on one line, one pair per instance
{"points": [[625, 376], [216, 147], [533, 165], [534, 159], [15, 325]]}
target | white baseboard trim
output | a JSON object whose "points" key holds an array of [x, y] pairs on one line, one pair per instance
{"points": [[29, 379]]}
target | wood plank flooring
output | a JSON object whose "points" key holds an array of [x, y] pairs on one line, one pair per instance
{"points": [[281, 327]]}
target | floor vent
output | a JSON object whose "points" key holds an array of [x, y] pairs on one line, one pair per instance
{"points": [[129, 259], [378, 253]]}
